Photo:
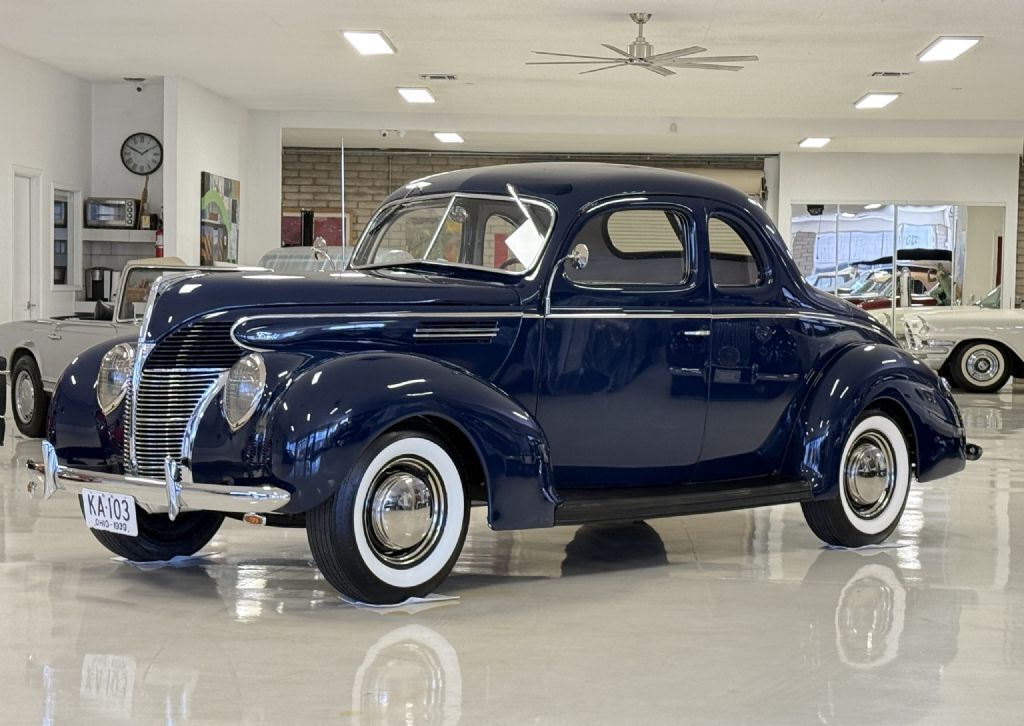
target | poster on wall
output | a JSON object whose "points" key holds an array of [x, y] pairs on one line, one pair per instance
{"points": [[218, 219], [325, 224]]}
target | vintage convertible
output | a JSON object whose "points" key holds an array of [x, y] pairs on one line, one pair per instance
{"points": [[562, 343]]}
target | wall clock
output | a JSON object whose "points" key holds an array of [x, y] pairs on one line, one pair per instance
{"points": [[142, 153]]}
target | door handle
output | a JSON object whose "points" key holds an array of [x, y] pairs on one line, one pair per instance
{"points": [[702, 333]]}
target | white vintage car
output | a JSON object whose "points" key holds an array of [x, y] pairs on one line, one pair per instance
{"points": [[977, 346], [38, 351]]}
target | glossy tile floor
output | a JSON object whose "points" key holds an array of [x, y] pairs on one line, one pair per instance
{"points": [[729, 618]]}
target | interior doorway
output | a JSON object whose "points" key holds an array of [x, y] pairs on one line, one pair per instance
{"points": [[25, 242]]}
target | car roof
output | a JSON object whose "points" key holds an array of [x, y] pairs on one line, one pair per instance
{"points": [[570, 182]]}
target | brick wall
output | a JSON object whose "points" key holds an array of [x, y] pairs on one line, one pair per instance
{"points": [[1020, 235], [311, 177]]}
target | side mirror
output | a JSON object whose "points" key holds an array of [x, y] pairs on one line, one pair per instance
{"points": [[580, 256]]}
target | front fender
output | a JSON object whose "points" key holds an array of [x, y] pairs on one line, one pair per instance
{"points": [[332, 410], [884, 376], [77, 428]]}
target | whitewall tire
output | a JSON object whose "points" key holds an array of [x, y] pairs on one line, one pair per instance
{"points": [[980, 367], [396, 526], [874, 483]]}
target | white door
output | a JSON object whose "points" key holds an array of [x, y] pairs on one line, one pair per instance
{"points": [[25, 232]]}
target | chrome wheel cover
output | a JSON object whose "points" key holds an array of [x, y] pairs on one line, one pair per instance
{"points": [[983, 365], [24, 397], [869, 474], [405, 511]]}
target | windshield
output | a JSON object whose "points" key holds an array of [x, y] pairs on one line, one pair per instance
{"points": [[491, 233], [993, 299], [136, 290]]}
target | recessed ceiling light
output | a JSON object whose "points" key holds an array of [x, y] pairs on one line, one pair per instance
{"points": [[448, 137], [416, 95], [872, 206], [814, 142], [370, 42], [876, 100], [948, 47]]}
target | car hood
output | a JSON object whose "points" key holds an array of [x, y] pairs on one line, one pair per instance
{"points": [[390, 290], [969, 320]]}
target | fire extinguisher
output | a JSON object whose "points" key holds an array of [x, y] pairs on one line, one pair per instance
{"points": [[160, 241]]}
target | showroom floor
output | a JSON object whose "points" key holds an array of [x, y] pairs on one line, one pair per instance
{"points": [[730, 618]]}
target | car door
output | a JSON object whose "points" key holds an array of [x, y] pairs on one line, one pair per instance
{"points": [[68, 338], [622, 382], [758, 352]]}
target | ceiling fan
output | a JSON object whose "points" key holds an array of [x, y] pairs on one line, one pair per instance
{"points": [[640, 54]]}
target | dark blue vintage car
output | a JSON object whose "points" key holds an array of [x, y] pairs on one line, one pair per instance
{"points": [[563, 343]]}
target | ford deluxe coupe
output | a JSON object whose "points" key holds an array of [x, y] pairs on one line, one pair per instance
{"points": [[561, 343]]}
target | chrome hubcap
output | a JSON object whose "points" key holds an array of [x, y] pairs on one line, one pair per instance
{"points": [[405, 511], [983, 365], [24, 397], [870, 474]]}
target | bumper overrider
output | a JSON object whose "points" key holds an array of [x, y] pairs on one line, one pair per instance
{"points": [[174, 494]]}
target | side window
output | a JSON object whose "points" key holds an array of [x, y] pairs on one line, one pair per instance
{"points": [[733, 262], [634, 247]]}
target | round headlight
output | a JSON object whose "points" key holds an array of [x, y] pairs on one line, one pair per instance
{"points": [[243, 390], [114, 376]]}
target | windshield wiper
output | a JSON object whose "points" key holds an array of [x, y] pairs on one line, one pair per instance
{"points": [[402, 263]]}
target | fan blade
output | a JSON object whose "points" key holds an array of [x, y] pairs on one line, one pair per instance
{"points": [[574, 55], [595, 70], [711, 67], [616, 50], [569, 63], [676, 54], [714, 59], [658, 69]]}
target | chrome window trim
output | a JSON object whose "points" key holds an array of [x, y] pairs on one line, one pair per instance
{"points": [[465, 195]]}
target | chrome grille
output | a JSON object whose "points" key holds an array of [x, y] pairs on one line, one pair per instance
{"points": [[179, 372]]}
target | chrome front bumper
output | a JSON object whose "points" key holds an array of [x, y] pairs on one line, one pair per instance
{"points": [[176, 493]]}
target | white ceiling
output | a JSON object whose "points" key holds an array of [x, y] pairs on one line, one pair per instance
{"points": [[816, 60]]}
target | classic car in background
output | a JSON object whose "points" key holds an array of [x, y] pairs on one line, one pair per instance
{"points": [[40, 350], [563, 342], [977, 346]]}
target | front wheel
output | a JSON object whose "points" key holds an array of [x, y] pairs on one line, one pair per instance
{"points": [[980, 367], [396, 526], [874, 482], [29, 401], [161, 539]]}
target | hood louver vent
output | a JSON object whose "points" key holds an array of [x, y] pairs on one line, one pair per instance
{"points": [[456, 331]]}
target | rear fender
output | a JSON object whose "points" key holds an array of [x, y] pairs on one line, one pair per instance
{"points": [[879, 376], [331, 410]]}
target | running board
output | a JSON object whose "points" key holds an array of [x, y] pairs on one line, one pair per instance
{"points": [[601, 505]]}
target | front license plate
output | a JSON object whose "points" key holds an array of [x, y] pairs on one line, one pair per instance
{"points": [[110, 512]]}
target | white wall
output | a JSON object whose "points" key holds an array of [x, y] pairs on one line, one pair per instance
{"points": [[969, 179], [261, 201], [118, 111], [45, 126], [202, 132]]}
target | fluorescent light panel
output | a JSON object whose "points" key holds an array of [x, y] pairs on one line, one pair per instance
{"points": [[947, 48], [814, 142], [416, 95], [448, 137], [370, 42], [876, 100]]}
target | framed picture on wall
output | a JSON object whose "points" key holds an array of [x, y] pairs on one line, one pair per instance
{"points": [[325, 224], [218, 219]]}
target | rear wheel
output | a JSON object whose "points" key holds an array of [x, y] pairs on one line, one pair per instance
{"points": [[980, 367], [29, 401], [396, 526], [874, 482], [160, 538]]}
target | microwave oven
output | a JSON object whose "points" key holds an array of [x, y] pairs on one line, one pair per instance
{"points": [[112, 212]]}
